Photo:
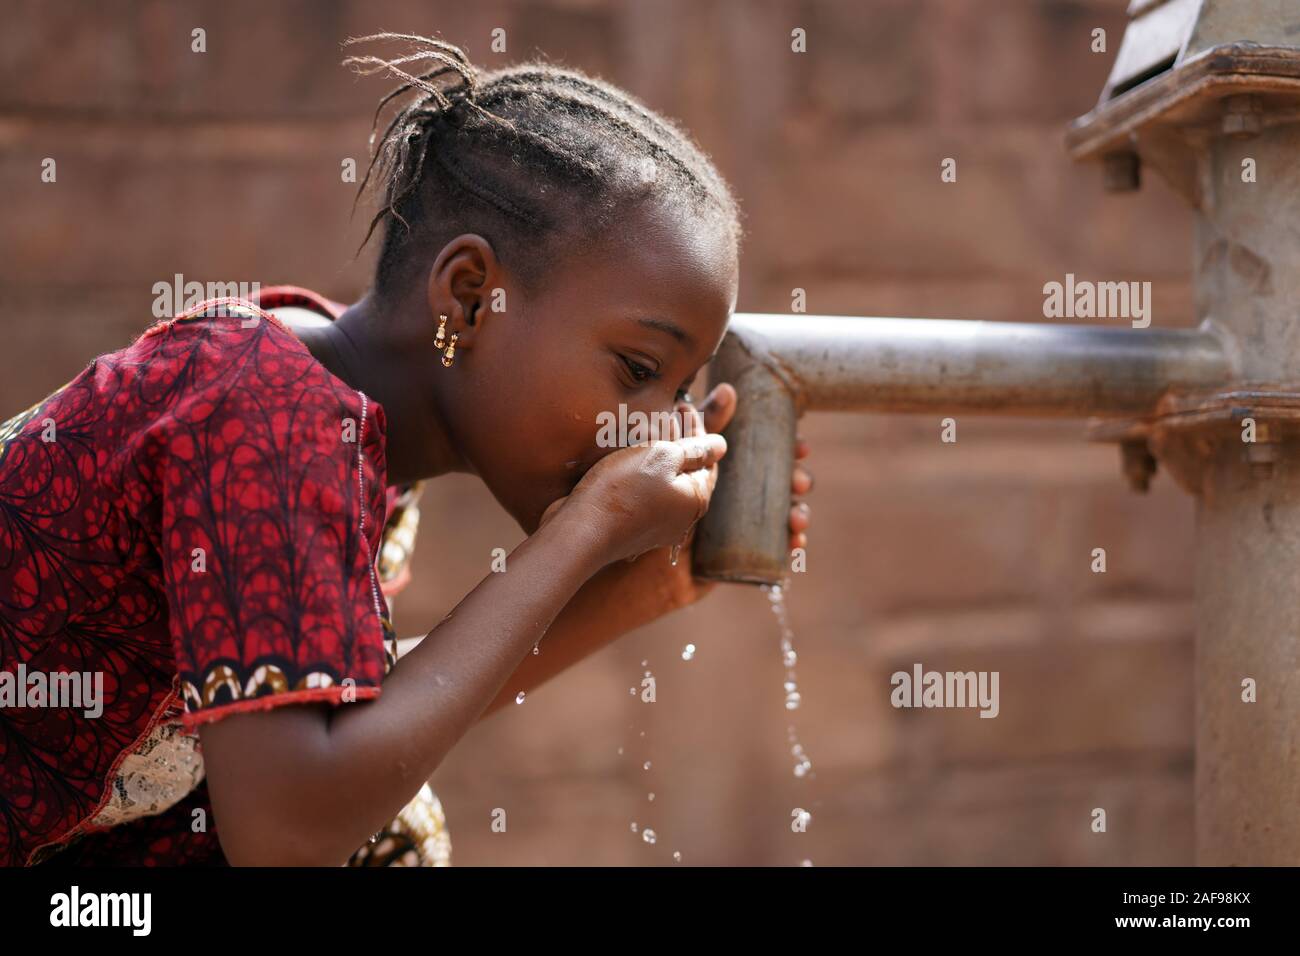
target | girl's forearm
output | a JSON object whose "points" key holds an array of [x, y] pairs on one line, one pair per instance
{"points": [[309, 785], [617, 600]]}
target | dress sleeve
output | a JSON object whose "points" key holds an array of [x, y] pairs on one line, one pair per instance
{"points": [[272, 503]]}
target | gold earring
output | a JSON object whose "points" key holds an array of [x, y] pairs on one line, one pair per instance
{"points": [[450, 355], [441, 339]]}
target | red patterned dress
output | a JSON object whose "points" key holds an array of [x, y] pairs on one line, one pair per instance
{"points": [[194, 525]]}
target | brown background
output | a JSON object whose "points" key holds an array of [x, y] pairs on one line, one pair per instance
{"points": [[225, 166]]}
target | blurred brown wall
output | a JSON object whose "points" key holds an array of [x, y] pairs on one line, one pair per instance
{"points": [[975, 555]]}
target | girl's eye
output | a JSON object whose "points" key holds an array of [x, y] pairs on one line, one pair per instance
{"points": [[639, 371], [642, 374]]}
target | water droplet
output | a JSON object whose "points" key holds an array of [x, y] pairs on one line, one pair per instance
{"points": [[634, 826], [648, 835], [632, 691], [620, 751], [800, 769], [519, 698], [791, 658], [645, 663], [646, 766], [643, 733], [650, 796], [790, 685], [647, 673], [537, 648], [677, 856], [792, 700], [806, 863], [688, 652]]}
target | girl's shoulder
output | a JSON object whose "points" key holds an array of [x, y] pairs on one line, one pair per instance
{"points": [[227, 378], [235, 352]]}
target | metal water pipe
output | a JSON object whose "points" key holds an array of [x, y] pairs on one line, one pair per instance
{"points": [[783, 367]]}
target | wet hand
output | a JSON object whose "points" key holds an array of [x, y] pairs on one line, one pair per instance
{"points": [[676, 585], [673, 586], [642, 497]]}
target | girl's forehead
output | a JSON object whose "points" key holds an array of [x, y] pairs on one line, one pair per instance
{"points": [[672, 258]]}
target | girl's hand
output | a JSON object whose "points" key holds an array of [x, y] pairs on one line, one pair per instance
{"points": [[647, 496], [676, 584]]}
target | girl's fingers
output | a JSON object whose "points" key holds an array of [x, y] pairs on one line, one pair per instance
{"points": [[800, 517], [701, 451], [719, 407], [801, 482], [692, 423], [700, 482]]}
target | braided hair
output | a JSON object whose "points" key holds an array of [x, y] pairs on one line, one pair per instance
{"points": [[531, 157]]}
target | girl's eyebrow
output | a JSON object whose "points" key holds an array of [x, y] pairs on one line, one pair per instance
{"points": [[672, 328]]}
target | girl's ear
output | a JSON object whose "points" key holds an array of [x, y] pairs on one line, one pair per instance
{"points": [[462, 282]]}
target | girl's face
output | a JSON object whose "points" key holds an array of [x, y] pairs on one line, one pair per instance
{"points": [[629, 322]]}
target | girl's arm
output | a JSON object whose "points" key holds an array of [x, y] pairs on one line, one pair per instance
{"points": [[620, 598], [309, 784]]}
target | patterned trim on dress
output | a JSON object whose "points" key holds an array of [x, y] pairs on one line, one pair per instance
{"points": [[390, 652], [160, 772], [417, 837], [398, 543], [267, 678], [361, 510], [46, 850]]}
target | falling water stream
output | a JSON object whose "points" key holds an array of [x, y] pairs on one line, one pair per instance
{"points": [[789, 658], [802, 767], [647, 834]]}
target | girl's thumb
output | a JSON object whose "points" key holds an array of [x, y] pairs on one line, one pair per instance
{"points": [[718, 407]]}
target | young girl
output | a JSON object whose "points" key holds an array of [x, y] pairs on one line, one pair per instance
{"points": [[210, 520]]}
